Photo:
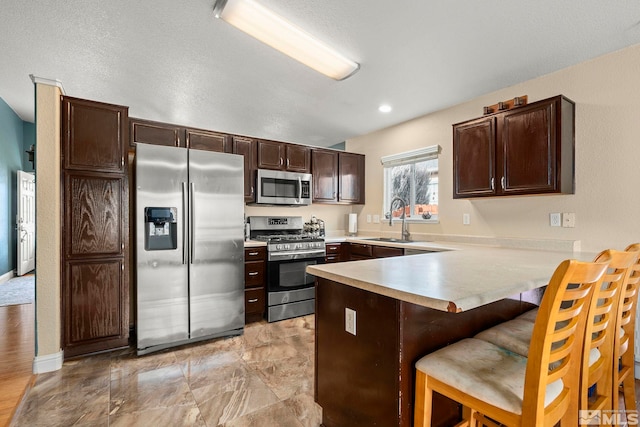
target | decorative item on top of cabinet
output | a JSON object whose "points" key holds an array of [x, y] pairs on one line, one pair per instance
{"points": [[526, 150], [254, 283], [338, 177], [149, 132], [282, 156], [95, 226], [247, 148]]}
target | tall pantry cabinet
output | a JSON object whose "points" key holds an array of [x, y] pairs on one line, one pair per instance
{"points": [[95, 227]]}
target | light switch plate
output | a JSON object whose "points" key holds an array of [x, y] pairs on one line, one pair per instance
{"points": [[368, 218], [466, 219], [555, 219], [376, 219], [350, 320]]}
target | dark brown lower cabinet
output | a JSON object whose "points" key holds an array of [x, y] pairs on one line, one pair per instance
{"points": [[368, 379], [95, 306]]}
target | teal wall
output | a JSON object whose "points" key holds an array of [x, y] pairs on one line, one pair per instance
{"points": [[12, 159]]}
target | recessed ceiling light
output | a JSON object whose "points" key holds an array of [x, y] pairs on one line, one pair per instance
{"points": [[275, 31], [384, 108]]}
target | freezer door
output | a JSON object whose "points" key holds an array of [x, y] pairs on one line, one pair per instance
{"points": [[162, 274], [217, 235]]}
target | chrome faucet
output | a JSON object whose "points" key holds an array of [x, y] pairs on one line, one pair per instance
{"points": [[405, 232]]}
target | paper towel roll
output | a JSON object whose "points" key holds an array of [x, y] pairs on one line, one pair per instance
{"points": [[353, 223]]}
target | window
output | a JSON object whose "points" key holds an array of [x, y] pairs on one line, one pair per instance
{"points": [[412, 177]]}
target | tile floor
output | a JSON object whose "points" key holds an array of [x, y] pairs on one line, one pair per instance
{"points": [[262, 378]]}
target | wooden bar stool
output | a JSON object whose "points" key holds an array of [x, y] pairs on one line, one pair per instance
{"points": [[597, 361], [624, 345], [511, 389]]}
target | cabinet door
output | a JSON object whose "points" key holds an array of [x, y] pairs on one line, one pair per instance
{"points": [[210, 141], [95, 214], [247, 148], [298, 158], [95, 305], [351, 178], [94, 135], [473, 158], [528, 149], [271, 155], [149, 132], [325, 176]]}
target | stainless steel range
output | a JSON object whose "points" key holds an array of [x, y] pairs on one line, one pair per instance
{"points": [[290, 290]]}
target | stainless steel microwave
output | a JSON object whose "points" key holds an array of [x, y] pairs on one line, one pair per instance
{"points": [[283, 188]]}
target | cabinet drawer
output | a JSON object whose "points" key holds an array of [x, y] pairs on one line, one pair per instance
{"points": [[386, 251], [253, 274], [360, 250], [254, 301], [254, 254], [333, 248], [332, 258]]}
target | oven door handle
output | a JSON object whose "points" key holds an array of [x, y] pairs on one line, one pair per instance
{"points": [[282, 256]]}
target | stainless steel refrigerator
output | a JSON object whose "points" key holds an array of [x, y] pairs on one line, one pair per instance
{"points": [[190, 254]]}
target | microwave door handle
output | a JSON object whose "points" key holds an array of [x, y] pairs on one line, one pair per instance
{"points": [[299, 190]]}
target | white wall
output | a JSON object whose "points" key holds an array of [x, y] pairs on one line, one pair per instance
{"points": [[606, 91]]}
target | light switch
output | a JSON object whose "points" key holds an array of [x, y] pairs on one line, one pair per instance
{"points": [[368, 218], [466, 219], [376, 219]]}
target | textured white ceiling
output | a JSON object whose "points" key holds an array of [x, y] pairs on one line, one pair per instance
{"points": [[173, 61]]}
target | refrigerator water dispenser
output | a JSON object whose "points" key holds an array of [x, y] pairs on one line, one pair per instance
{"points": [[161, 228]]}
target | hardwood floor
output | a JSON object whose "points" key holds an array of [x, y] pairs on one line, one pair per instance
{"points": [[17, 350]]}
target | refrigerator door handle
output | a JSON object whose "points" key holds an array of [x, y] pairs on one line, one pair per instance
{"points": [[192, 224], [184, 223]]}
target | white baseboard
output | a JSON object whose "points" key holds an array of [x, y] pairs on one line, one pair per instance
{"points": [[48, 362], [7, 276]]}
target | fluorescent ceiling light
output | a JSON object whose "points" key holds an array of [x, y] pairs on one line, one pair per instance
{"points": [[280, 34], [384, 108]]}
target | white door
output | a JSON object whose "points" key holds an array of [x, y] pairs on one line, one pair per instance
{"points": [[26, 222]]}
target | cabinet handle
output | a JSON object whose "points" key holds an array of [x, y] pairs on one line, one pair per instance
{"points": [[253, 253], [288, 162], [492, 186], [502, 183], [281, 161], [253, 273], [253, 300], [122, 162], [252, 190]]}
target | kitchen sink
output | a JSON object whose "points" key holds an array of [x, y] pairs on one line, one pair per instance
{"points": [[389, 239]]}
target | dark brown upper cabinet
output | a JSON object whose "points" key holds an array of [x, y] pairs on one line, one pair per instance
{"points": [[207, 140], [157, 133], [282, 156], [338, 177], [526, 150], [324, 167], [247, 148], [93, 135]]}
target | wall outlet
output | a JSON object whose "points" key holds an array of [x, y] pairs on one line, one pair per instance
{"points": [[376, 219], [554, 220], [466, 219], [569, 219], [350, 320], [368, 218]]}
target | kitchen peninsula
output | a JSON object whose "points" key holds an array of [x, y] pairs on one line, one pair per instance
{"points": [[404, 308]]}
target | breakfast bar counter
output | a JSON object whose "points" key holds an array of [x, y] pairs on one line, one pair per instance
{"points": [[402, 308]]}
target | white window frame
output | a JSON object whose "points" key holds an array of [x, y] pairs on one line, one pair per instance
{"points": [[408, 157]]}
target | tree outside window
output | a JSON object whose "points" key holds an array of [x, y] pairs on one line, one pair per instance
{"points": [[413, 177]]}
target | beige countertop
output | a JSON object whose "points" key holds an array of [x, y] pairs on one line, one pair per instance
{"points": [[454, 277], [254, 243]]}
